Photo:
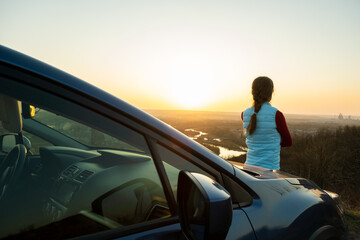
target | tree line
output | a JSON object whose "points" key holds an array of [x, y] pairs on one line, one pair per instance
{"points": [[329, 157]]}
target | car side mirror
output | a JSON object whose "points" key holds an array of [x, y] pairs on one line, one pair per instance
{"points": [[205, 207], [8, 142]]}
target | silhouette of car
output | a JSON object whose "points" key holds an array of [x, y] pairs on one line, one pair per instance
{"points": [[77, 162]]}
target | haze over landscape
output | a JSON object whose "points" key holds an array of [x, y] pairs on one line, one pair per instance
{"points": [[199, 55]]}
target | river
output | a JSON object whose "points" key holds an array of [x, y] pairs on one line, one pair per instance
{"points": [[225, 153]]}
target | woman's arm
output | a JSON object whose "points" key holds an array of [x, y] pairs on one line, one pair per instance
{"points": [[286, 140]]}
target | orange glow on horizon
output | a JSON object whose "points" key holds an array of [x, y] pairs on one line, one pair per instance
{"points": [[199, 55]]}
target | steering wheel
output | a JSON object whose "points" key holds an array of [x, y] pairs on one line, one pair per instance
{"points": [[11, 168]]}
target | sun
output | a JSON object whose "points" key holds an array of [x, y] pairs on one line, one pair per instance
{"points": [[188, 96], [192, 90]]}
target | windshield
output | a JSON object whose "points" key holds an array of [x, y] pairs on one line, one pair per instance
{"points": [[84, 134]]}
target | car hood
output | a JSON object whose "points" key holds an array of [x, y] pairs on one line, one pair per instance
{"points": [[265, 173], [260, 172]]}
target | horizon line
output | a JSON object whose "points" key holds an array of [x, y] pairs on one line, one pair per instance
{"points": [[238, 112]]}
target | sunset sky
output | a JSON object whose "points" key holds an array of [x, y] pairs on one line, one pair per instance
{"points": [[199, 55]]}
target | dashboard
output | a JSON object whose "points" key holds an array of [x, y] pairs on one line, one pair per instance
{"points": [[122, 187]]}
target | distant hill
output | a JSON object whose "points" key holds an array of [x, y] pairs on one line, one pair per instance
{"points": [[235, 116]]}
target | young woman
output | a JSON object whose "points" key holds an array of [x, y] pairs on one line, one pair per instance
{"points": [[265, 127]]}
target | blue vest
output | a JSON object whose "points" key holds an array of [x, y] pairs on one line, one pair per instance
{"points": [[264, 144]]}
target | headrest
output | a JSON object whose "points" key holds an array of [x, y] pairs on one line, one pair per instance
{"points": [[10, 115]]}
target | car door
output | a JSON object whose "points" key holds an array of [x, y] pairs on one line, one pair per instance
{"points": [[175, 158]]}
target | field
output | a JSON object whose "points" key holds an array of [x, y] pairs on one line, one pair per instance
{"points": [[325, 149]]}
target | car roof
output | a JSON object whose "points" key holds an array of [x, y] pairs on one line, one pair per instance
{"points": [[23, 61]]}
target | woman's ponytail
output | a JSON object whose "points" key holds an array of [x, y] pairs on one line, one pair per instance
{"points": [[252, 124], [262, 89]]}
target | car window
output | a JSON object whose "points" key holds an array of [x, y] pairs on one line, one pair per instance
{"points": [[92, 174], [174, 163]]}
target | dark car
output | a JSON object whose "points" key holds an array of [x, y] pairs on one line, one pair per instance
{"points": [[77, 162]]}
